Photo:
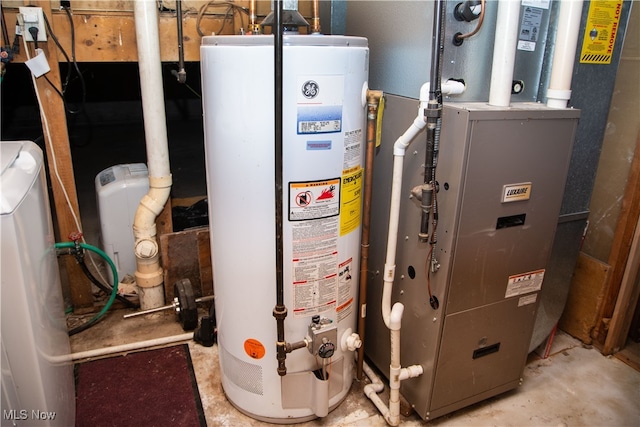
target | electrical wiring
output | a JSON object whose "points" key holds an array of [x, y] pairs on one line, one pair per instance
{"points": [[480, 21], [64, 52], [54, 161], [45, 123], [70, 66], [75, 63], [231, 7]]}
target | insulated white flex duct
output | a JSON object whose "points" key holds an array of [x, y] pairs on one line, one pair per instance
{"points": [[149, 274], [564, 53]]}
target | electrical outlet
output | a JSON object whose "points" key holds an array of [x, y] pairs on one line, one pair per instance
{"points": [[33, 17]]}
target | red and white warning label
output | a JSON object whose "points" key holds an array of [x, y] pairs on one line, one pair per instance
{"points": [[345, 296], [314, 199], [524, 283], [315, 281]]}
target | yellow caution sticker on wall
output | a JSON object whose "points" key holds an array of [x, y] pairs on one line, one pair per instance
{"points": [[601, 31]]}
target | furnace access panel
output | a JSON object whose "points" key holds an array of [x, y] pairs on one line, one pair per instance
{"points": [[501, 175]]}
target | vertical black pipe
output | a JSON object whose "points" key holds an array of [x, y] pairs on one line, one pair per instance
{"points": [[182, 74], [437, 49], [433, 113], [280, 311]]}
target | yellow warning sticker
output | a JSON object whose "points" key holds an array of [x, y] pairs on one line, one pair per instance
{"points": [[601, 31], [379, 121], [351, 200]]}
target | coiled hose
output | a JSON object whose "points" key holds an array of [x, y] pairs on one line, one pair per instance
{"points": [[73, 246]]}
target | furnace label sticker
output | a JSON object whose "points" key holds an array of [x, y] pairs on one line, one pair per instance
{"points": [[314, 199], [601, 31], [530, 28], [543, 4], [351, 200], [526, 300], [315, 282], [319, 104], [524, 283], [345, 296]]}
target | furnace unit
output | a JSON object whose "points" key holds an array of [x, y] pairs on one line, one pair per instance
{"points": [[470, 304]]}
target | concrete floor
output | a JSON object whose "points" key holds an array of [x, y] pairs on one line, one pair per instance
{"points": [[575, 386]]}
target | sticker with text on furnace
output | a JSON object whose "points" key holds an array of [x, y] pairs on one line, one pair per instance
{"points": [[601, 31]]}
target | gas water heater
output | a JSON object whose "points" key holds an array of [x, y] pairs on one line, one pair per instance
{"points": [[325, 82]]}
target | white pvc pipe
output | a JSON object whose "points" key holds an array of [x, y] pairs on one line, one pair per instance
{"points": [[149, 274], [504, 52], [564, 53], [108, 351], [393, 317], [372, 390]]}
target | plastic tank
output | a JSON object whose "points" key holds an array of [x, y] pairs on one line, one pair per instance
{"points": [[324, 127], [119, 190]]}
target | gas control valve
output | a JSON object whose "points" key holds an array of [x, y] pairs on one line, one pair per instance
{"points": [[323, 335]]}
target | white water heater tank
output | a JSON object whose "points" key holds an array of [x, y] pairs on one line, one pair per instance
{"points": [[324, 126]]}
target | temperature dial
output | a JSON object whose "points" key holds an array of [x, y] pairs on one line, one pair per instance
{"points": [[326, 350]]}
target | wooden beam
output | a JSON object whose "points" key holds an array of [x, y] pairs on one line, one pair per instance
{"points": [[626, 301], [621, 246], [111, 36], [61, 177]]}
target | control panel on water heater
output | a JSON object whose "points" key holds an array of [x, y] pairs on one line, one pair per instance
{"points": [[322, 338]]}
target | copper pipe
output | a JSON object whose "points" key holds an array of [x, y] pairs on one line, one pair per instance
{"points": [[373, 99], [315, 23], [253, 27]]}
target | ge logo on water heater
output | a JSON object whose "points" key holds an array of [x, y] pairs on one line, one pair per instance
{"points": [[310, 89]]}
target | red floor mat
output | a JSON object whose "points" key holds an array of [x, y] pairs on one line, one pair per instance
{"points": [[150, 388]]}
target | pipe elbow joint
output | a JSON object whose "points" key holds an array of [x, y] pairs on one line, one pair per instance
{"points": [[401, 144], [395, 319]]}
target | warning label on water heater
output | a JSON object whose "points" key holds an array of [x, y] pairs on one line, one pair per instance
{"points": [[351, 197], [345, 297], [315, 282], [524, 283], [314, 199]]}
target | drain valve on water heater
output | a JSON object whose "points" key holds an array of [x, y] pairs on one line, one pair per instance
{"points": [[323, 335]]}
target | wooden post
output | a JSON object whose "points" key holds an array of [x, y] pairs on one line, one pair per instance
{"points": [[620, 249], [56, 137]]}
